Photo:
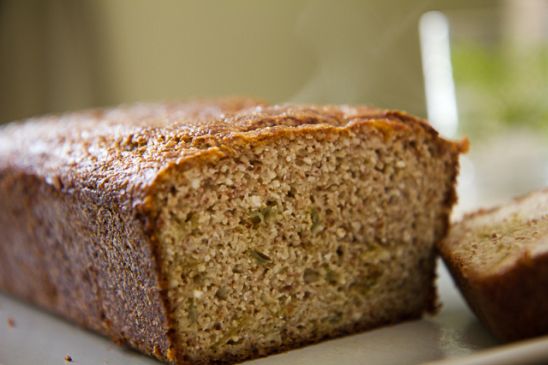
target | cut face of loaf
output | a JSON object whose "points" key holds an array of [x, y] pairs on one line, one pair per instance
{"points": [[221, 231], [499, 259]]}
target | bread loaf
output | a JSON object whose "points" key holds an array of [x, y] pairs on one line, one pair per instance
{"points": [[218, 231], [499, 259]]}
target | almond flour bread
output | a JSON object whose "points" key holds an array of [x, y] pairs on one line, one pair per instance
{"points": [[499, 259], [217, 231]]}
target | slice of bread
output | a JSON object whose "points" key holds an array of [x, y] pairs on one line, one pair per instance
{"points": [[499, 260]]}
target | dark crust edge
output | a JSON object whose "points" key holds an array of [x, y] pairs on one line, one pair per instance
{"points": [[508, 303], [173, 353]]}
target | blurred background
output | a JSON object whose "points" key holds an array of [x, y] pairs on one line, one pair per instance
{"points": [[475, 67]]}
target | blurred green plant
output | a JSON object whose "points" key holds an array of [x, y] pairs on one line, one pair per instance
{"points": [[498, 87]]}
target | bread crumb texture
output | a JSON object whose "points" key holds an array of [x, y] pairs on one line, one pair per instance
{"points": [[300, 238]]}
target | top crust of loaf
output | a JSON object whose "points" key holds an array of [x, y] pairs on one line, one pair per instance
{"points": [[123, 150]]}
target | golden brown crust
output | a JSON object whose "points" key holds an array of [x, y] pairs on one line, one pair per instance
{"points": [[99, 169]]}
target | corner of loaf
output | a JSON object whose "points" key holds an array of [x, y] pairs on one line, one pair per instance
{"points": [[294, 235]]}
